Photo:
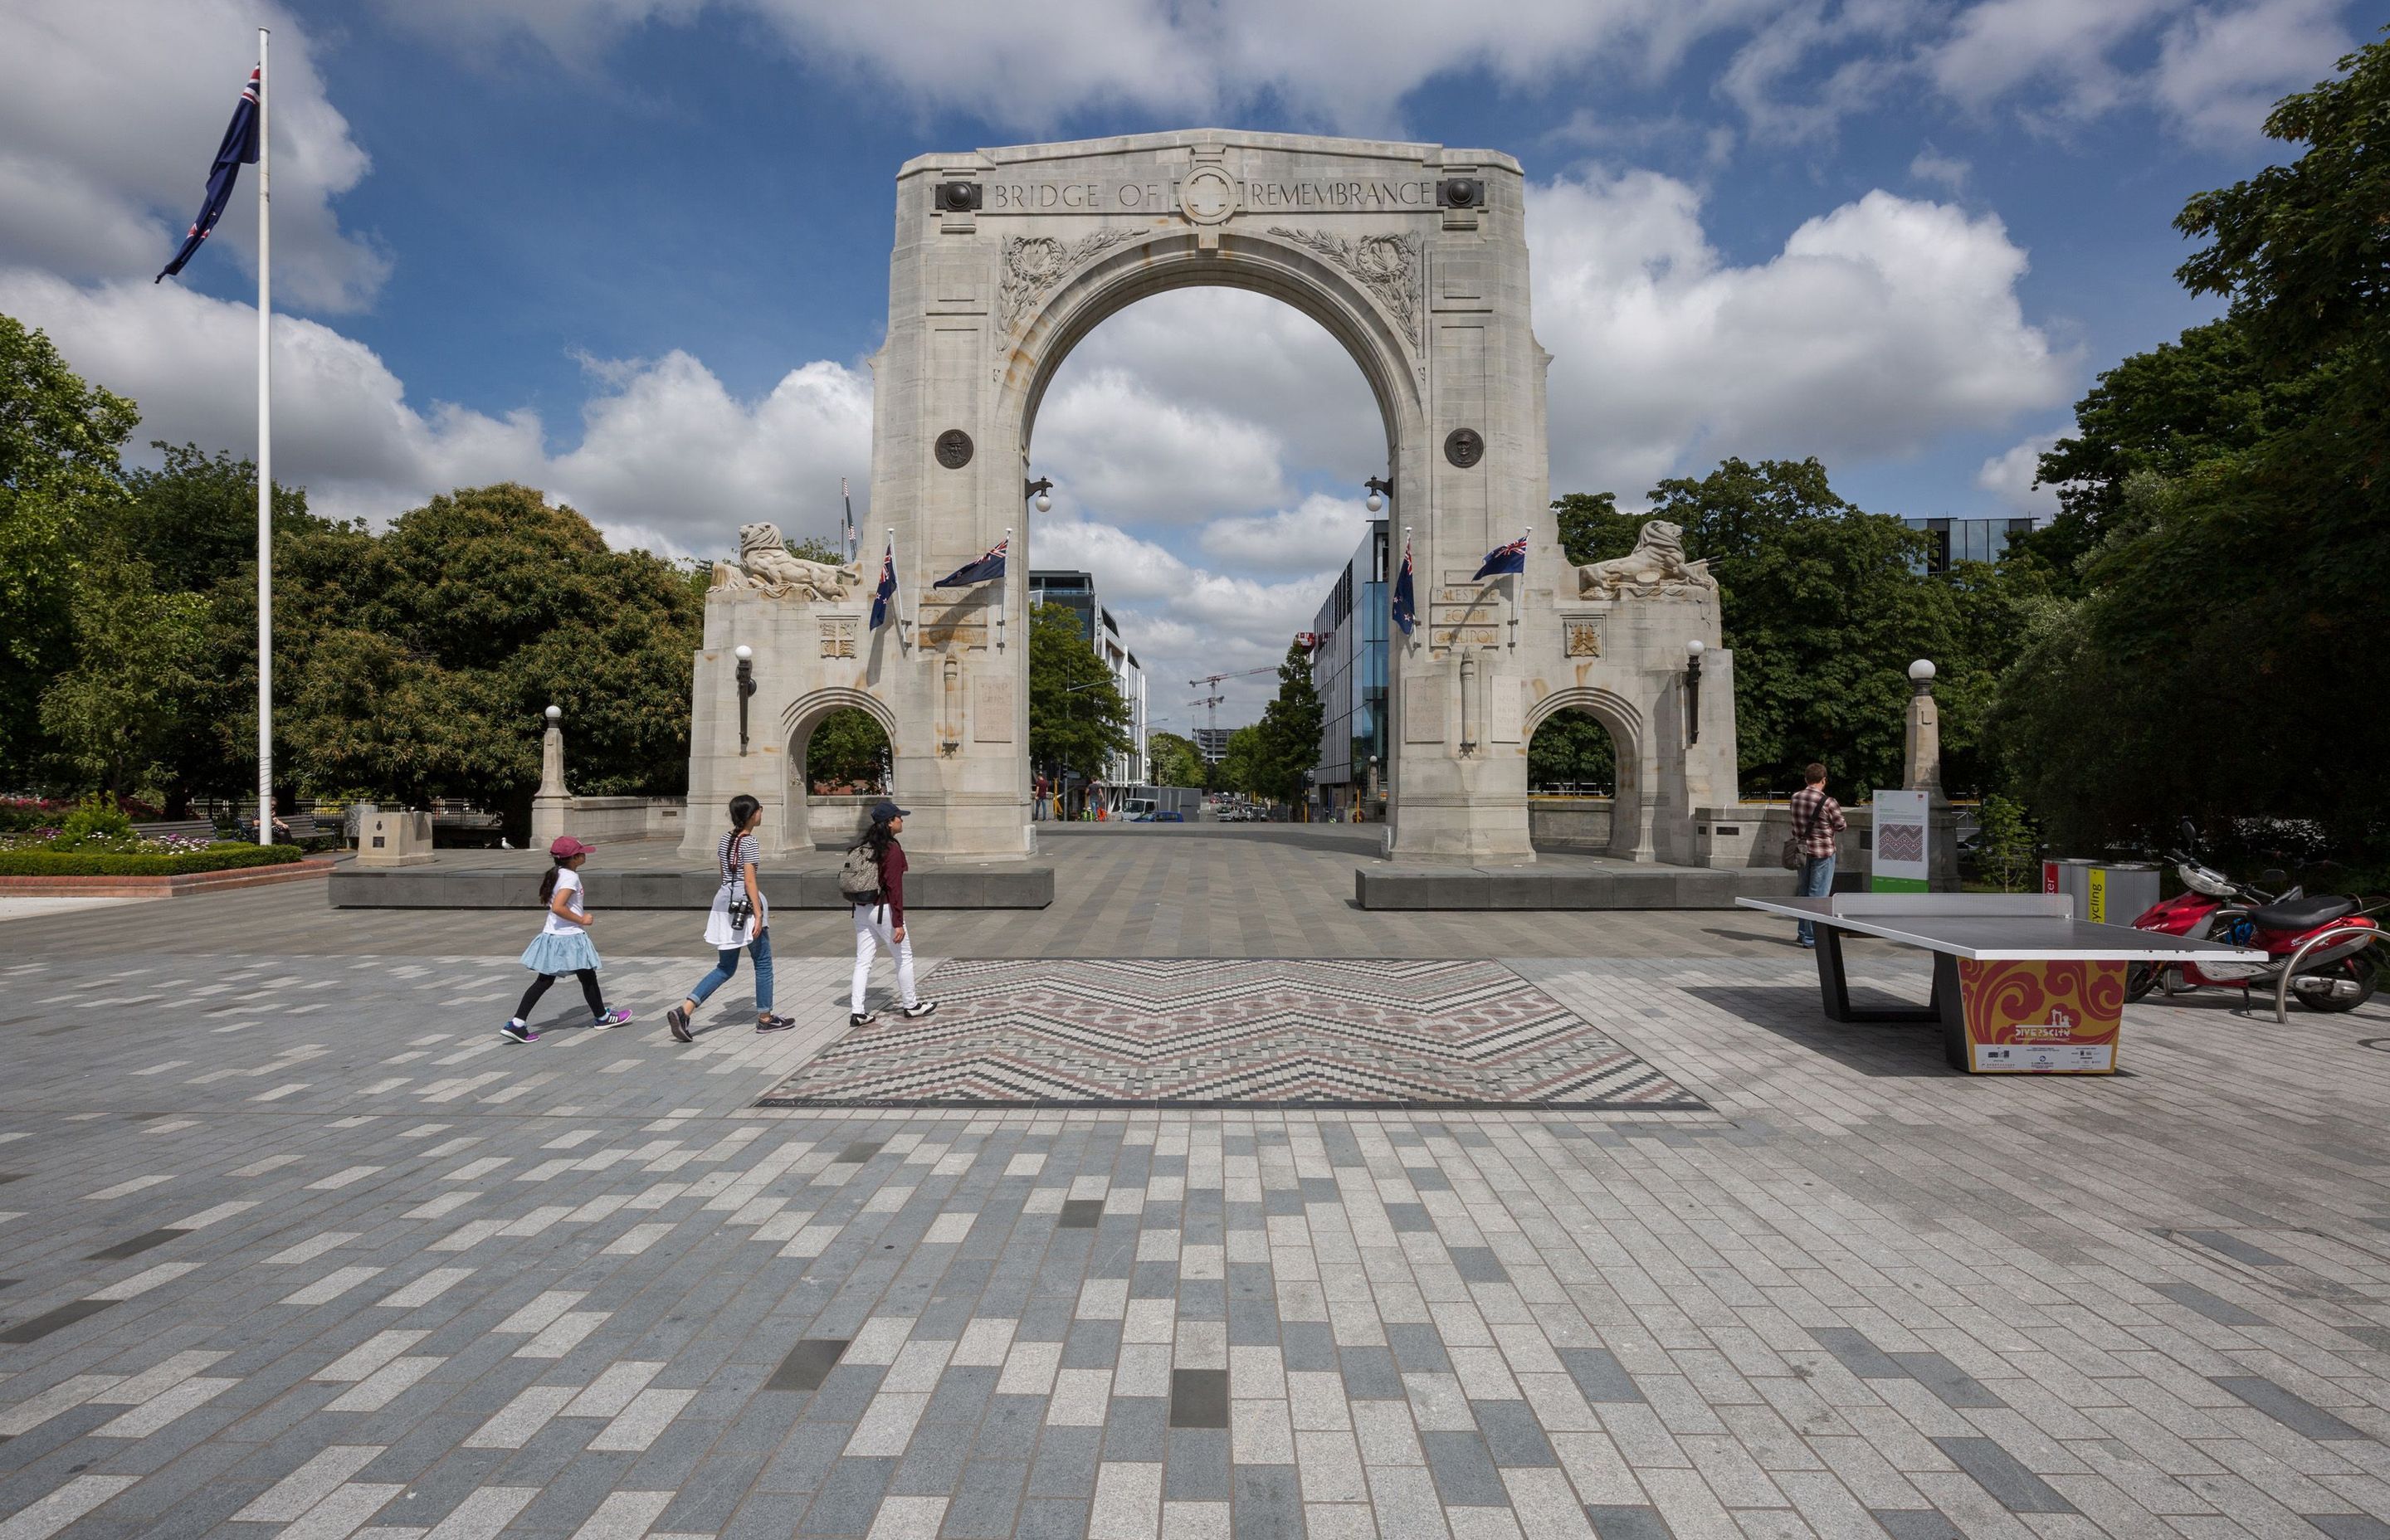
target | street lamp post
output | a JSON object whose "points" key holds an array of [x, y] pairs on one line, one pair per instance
{"points": [[1693, 690], [746, 655]]}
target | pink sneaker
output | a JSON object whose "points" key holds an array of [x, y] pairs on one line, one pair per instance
{"points": [[614, 1018]]}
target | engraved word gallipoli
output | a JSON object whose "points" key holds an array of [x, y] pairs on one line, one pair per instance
{"points": [[1019, 198]]}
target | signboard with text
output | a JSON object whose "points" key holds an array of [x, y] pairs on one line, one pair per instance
{"points": [[2042, 1017], [1902, 832]]}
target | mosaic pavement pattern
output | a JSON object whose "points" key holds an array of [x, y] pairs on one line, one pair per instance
{"points": [[1199, 1032]]}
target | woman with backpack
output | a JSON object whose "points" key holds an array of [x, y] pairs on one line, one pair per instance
{"points": [[562, 944], [872, 880], [738, 921]]}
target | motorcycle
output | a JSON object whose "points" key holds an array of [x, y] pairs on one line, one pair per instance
{"points": [[2326, 944]]}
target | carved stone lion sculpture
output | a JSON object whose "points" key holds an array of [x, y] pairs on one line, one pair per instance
{"points": [[766, 563], [1655, 566]]}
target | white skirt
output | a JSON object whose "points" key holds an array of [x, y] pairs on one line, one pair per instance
{"points": [[720, 933]]}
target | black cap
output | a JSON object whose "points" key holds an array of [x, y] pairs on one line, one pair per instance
{"points": [[887, 810]]}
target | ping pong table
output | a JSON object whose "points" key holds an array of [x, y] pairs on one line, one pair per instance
{"points": [[2019, 984]]}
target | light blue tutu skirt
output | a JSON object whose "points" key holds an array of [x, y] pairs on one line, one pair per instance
{"points": [[560, 952]]}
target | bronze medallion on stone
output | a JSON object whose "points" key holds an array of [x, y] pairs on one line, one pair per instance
{"points": [[953, 449], [1464, 447]]}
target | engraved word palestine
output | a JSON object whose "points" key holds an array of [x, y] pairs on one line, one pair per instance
{"points": [[1040, 197]]}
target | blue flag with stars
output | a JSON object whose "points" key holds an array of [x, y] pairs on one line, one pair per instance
{"points": [[1406, 609], [886, 592], [1504, 559], [988, 569], [239, 148]]}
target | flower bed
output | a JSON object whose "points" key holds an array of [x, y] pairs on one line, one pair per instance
{"points": [[211, 858]]}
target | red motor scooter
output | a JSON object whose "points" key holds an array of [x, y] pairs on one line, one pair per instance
{"points": [[2325, 946]]}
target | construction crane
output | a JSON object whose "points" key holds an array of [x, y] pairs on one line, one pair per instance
{"points": [[1212, 682]]}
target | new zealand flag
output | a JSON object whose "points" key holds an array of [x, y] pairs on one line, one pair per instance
{"points": [[240, 148], [988, 569], [1406, 608], [886, 592], [1504, 559]]}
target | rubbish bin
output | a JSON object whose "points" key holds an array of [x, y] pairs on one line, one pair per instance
{"points": [[2104, 893]]}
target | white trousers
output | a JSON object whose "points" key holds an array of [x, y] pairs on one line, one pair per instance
{"points": [[872, 931]]}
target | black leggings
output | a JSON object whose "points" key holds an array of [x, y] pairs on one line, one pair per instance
{"points": [[589, 977]]}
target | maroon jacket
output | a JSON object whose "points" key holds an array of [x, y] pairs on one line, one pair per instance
{"points": [[892, 881]]}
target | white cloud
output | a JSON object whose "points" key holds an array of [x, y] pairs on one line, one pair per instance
{"points": [[2221, 70], [2009, 476], [112, 116], [1124, 446], [1321, 533], [1880, 326], [667, 458], [1932, 165]]}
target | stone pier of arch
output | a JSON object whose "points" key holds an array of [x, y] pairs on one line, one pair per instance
{"points": [[1414, 257]]}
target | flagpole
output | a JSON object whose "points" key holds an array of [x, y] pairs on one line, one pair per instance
{"points": [[900, 586], [264, 454]]}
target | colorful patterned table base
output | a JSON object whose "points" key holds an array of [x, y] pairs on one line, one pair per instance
{"points": [[1211, 1032]]}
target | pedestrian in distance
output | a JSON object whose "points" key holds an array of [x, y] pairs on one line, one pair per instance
{"points": [[563, 945], [872, 879], [738, 921], [1816, 818]]}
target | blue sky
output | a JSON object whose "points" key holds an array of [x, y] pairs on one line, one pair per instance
{"points": [[636, 251]]}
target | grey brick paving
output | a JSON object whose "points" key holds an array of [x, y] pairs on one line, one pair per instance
{"points": [[311, 1254]]}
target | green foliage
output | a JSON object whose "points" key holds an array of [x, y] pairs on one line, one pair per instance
{"points": [[96, 819], [140, 659], [1077, 720], [1591, 527], [1171, 759], [2224, 660], [58, 442], [1287, 743], [1573, 748], [1824, 612], [2006, 852], [229, 857], [1241, 766], [847, 749]]}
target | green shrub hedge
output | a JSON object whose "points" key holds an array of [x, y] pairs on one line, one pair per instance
{"points": [[215, 858]]}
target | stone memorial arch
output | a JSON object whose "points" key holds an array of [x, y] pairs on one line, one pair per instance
{"points": [[1414, 257]]}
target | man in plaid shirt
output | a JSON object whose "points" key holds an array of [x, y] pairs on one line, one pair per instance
{"points": [[1816, 818]]}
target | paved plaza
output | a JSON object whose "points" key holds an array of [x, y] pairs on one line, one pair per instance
{"points": [[295, 1245]]}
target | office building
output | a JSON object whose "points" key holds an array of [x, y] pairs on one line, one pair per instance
{"points": [[1348, 671], [1958, 540], [1211, 743]]}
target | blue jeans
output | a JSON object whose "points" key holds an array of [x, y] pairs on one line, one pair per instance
{"points": [[728, 964], [1816, 882]]}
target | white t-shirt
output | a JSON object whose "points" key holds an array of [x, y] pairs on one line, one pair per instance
{"points": [[568, 883]]}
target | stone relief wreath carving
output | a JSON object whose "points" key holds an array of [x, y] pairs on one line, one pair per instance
{"points": [[1386, 265], [1034, 264]]}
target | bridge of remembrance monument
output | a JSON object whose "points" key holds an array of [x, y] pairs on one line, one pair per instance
{"points": [[1414, 257]]}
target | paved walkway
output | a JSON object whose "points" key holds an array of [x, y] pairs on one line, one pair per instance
{"points": [[297, 1246]]}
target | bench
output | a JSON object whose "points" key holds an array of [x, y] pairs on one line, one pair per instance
{"points": [[183, 829], [2019, 984]]}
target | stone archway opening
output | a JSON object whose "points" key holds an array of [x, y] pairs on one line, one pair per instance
{"points": [[841, 759], [1571, 782], [1208, 445]]}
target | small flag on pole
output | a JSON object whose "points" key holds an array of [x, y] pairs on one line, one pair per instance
{"points": [[1406, 609], [886, 592], [239, 148], [1504, 559], [988, 569]]}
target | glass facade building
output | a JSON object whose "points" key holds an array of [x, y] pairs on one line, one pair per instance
{"points": [[1957, 540], [1076, 592], [1348, 670]]}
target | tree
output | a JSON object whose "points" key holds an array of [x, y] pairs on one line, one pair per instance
{"points": [[1573, 748], [1173, 760], [1242, 763], [1288, 744], [2238, 577], [1591, 527], [138, 654], [58, 444], [847, 749], [1077, 720], [2006, 848]]}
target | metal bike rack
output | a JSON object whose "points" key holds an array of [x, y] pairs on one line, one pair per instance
{"points": [[2282, 984]]}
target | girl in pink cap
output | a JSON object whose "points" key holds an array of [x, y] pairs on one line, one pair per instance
{"points": [[562, 944]]}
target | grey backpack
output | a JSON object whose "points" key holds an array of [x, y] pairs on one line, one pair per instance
{"points": [[859, 876]]}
